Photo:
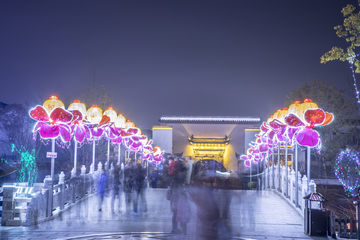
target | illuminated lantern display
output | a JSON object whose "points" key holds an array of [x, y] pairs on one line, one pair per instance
{"points": [[294, 108], [53, 125], [120, 121], [129, 124], [110, 112], [281, 114], [303, 107], [52, 122], [307, 136], [52, 103], [77, 105], [94, 114]]}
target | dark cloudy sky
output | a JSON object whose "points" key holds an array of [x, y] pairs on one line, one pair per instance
{"points": [[210, 58]]}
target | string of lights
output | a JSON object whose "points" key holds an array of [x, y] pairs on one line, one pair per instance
{"points": [[347, 170]]}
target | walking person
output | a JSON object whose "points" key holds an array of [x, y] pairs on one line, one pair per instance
{"points": [[103, 182], [139, 188], [183, 210], [116, 187], [154, 179], [128, 179]]}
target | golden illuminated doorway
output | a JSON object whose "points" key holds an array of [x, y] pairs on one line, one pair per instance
{"points": [[209, 148]]}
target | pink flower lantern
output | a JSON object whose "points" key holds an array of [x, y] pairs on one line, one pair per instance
{"points": [[52, 124]]}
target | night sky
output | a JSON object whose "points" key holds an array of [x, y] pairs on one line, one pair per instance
{"points": [[192, 58]]}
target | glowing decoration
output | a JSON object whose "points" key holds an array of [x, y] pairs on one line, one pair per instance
{"points": [[306, 136], [347, 169], [294, 108], [129, 124], [28, 170], [280, 115], [110, 112], [212, 119], [303, 107], [94, 114], [52, 103], [120, 121], [77, 105], [79, 130], [53, 125]]}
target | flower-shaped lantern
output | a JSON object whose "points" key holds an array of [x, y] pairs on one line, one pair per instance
{"points": [[77, 105], [80, 131], [94, 114], [97, 121], [52, 103], [307, 136], [52, 120]]}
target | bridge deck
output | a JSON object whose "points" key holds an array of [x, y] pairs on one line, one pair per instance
{"points": [[253, 215]]}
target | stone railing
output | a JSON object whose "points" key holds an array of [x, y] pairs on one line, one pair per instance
{"points": [[37, 210], [277, 182]]}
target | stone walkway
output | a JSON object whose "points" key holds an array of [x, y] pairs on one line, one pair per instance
{"points": [[253, 215]]}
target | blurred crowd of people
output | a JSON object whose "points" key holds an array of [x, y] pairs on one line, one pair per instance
{"points": [[183, 187]]}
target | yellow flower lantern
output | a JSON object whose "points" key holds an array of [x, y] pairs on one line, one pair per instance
{"points": [[53, 102], [94, 114], [294, 108], [110, 112], [77, 105], [281, 114], [129, 124], [120, 121], [307, 104]]}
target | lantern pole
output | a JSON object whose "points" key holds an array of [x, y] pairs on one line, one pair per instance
{"points": [[279, 165], [93, 156], [286, 168], [50, 206], [308, 167], [250, 170], [119, 150], [257, 173], [263, 174], [273, 167], [296, 177], [108, 152], [52, 159], [75, 157]]}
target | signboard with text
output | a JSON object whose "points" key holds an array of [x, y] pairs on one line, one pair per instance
{"points": [[51, 154]]}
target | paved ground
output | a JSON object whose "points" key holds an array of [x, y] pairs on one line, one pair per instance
{"points": [[253, 215]]}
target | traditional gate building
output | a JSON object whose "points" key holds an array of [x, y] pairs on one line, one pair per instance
{"points": [[222, 139]]}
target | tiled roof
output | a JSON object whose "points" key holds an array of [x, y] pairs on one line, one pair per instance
{"points": [[208, 119]]}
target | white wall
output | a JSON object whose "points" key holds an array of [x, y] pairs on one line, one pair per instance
{"points": [[163, 137]]}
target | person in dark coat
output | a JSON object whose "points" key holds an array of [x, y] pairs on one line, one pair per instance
{"points": [[116, 187], [103, 187], [128, 185], [183, 210], [154, 179], [139, 187]]}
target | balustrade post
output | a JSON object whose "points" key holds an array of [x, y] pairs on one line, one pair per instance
{"points": [[298, 191], [83, 175], [99, 168], [304, 190], [292, 186], [62, 189], [283, 178], [48, 186]]}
